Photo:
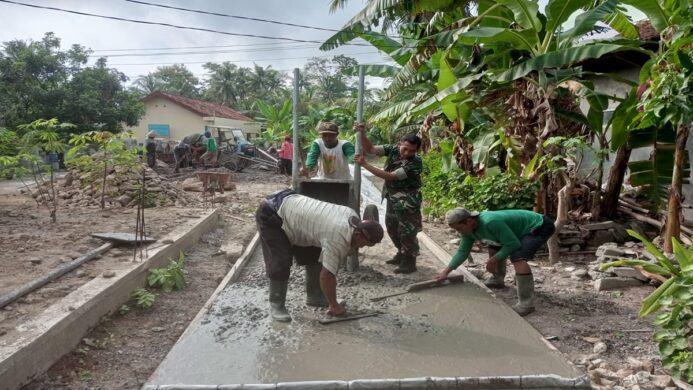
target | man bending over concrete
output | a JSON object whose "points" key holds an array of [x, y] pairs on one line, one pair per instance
{"points": [[517, 234], [319, 235]]}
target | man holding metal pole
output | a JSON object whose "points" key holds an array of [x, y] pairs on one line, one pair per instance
{"points": [[319, 235], [402, 175]]}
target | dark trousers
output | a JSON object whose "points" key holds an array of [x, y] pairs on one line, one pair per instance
{"points": [[531, 242], [285, 166], [276, 247], [151, 159]]}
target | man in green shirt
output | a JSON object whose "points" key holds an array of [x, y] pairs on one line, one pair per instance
{"points": [[517, 234], [211, 146], [330, 154], [402, 175]]}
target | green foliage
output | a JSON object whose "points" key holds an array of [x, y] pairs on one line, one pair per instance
{"points": [[445, 189], [9, 142], [176, 79], [143, 298], [169, 278], [674, 300], [92, 150], [39, 80]]}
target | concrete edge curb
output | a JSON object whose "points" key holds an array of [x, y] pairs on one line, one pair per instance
{"points": [[57, 330], [229, 278], [536, 382], [444, 257]]}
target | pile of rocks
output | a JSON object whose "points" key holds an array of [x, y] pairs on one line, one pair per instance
{"points": [[633, 373], [619, 277], [122, 183], [574, 237]]}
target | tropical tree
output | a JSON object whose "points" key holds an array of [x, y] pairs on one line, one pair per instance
{"points": [[176, 79], [39, 80], [276, 121]]}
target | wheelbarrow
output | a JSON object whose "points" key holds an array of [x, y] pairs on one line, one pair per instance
{"points": [[212, 181], [112, 239]]}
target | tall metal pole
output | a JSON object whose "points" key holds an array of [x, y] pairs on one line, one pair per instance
{"points": [[294, 161], [353, 259], [359, 148]]}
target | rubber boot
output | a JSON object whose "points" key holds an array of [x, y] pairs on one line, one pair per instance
{"points": [[370, 213], [407, 265], [497, 280], [525, 294], [314, 295], [277, 299], [396, 259]]}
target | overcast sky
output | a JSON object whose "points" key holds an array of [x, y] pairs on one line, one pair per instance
{"points": [[19, 22], [105, 36]]}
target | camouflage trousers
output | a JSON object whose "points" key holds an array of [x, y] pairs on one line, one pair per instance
{"points": [[402, 225]]}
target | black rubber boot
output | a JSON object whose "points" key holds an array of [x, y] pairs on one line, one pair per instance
{"points": [[525, 294], [277, 299], [497, 280], [396, 259], [314, 295], [407, 266], [370, 213]]}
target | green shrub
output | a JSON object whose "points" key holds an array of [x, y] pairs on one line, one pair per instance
{"points": [[168, 278], [445, 189], [143, 298], [674, 300]]}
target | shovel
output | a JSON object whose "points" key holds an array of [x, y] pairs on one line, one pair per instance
{"points": [[422, 286], [112, 239]]}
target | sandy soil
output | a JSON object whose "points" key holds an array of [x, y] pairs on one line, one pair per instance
{"points": [[32, 246], [125, 348]]}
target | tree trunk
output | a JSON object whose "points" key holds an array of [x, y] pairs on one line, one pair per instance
{"points": [[673, 222], [561, 219], [613, 188], [597, 198], [103, 185]]}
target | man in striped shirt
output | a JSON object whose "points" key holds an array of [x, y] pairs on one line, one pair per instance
{"points": [[319, 235]]}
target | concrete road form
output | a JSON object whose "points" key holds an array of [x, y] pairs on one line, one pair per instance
{"points": [[452, 336]]}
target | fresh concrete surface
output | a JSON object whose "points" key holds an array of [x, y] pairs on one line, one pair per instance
{"points": [[42, 341], [452, 331]]}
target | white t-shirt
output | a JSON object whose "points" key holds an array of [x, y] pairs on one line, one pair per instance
{"points": [[333, 164], [310, 222]]}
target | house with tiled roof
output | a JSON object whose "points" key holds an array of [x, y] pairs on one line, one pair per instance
{"points": [[173, 117]]}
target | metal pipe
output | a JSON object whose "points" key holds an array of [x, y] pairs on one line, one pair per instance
{"points": [[297, 155], [359, 148]]}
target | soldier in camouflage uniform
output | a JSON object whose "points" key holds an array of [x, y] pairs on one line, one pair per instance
{"points": [[402, 175]]}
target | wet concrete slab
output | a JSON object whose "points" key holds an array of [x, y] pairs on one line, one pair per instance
{"points": [[456, 330]]}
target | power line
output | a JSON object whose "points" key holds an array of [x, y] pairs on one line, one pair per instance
{"points": [[199, 47], [204, 52], [162, 24], [232, 16], [252, 60]]}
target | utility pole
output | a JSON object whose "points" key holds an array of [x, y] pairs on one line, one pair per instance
{"points": [[294, 161]]}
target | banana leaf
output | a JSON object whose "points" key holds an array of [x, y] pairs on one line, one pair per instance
{"points": [[654, 174]]}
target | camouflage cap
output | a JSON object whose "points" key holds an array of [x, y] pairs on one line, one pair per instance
{"points": [[328, 127]]}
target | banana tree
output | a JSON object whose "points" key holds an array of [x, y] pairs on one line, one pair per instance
{"points": [[276, 119]]}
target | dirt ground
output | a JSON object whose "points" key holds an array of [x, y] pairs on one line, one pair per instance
{"points": [[125, 348]]}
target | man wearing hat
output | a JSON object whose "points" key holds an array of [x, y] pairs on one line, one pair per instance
{"points": [[517, 234], [331, 155], [150, 148], [319, 235], [402, 189]]}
